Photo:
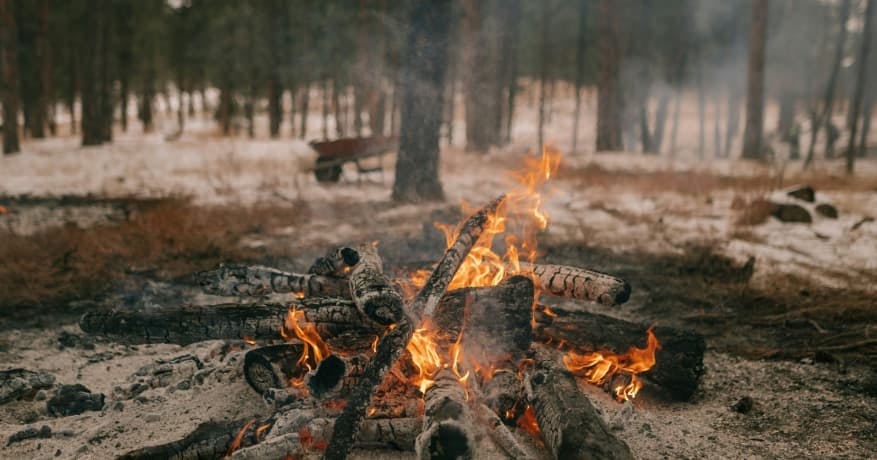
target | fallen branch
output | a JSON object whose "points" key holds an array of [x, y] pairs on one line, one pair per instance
{"points": [[578, 283], [570, 426], [240, 280], [390, 346], [678, 364]]}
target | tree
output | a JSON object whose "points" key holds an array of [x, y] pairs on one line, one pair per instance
{"points": [[97, 113], [9, 69], [580, 69], [479, 72], [753, 147], [422, 81], [861, 76], [608, 81]]}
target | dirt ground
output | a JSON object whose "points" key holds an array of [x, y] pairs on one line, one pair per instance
{"points": [[787, 310]]}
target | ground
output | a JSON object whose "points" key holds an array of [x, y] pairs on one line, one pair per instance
{"points": [[787, 309]]}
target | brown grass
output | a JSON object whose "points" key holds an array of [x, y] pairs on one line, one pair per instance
{"points": [[172, 237]]}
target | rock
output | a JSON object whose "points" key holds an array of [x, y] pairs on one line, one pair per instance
{"points": [[792, 213], [73, 400], [743, 406], [803, 192], [17, 384], [827, 210], [30, 433]]}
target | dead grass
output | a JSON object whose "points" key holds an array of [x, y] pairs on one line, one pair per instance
{"points": [[172, 237], [753, 211]]}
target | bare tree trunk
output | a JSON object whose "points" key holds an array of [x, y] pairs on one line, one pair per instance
{"points": [[305, 102], [293, 108], [701, 114], [512, 25], [717, 129], [866, 125], [225, 108], [41, 110], [786, 117], [732, 127], [325, 108], [337, 109], [479, 72], [860, 83], [660, 121], [543, 74], [9, 68], [424, 62], [94, 83], [753, 143], [675, 128], [644, 130], [609, 98], [820, 118], [580, 69], [275, 106]]}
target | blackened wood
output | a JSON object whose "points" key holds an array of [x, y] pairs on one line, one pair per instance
{"points": [[391, 345], [372, 291], [335, 376], [678, 364], [578, 283], [447, 423], [210, 440], [568, 423], [500, 433], [16, 384], [255, 280], [272, 366], [74, 400], [503, 393], [336, 262]]}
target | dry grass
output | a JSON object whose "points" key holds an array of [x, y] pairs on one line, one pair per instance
{"points": [[172, 237]]}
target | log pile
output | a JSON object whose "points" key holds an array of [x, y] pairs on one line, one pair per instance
{"points": [[340, 367]]}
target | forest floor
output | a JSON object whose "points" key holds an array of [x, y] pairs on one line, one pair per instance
{"points": [[122, 225]]}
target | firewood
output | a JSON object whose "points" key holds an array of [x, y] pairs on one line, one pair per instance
{"points": [[335, 375], [568, 423], [336, 263], [16, 384], [678, 364], [374, 294], [500, 433], [391, 346], [336, 320], [240, 280], [272, 366], [578, 283], [447, 423], [503, 393]]}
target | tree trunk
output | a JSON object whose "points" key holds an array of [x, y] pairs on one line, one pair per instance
{"points": [[225, 108], [786, 117], [305, 102], [479, 75], [94, 81], [124, 93], [325, 107], [717, 126], [543, 73], [644, 130], [337, 108], [660, 121], [147, 96], [293, 93], [424, 62], [818, 119], [513, 22], [861, 76], [753, 143], [275, 106], [43, 51], [677, 96], [9, 67], [609, 97], [701, 114], [580, 70], [866, 125]]}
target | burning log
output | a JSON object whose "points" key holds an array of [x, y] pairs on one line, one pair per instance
{"points": [[569, 425], [447, 421], [578, 283], [390, 346], [336, 375], [678, 363], [336, 320], [372, 291], [500, 433], [336, 263], [240, 280], [272, 366]]}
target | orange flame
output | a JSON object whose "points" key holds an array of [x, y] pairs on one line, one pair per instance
{"points": [[600, 367], [528, 422], [240, 437], [425, 356], [314, 349]]}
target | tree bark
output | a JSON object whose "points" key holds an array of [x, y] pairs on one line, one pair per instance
{"points": [[753, 143], [861, 77], [275, 105], [447, 422], [608, 80], [424, 62], [675, 128], [717, 129], [371, 290], [255, 280], [679, 362], [543, 74], [580, 69], [570, 426], [9, 67], [578, 283], [95, 80], [479, 72]]}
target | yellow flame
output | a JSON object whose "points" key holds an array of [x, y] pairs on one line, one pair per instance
{"points": [[314, 349]]}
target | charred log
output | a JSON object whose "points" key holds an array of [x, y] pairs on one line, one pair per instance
{"points": [[272, 366], [447, 432], [678, 363], [500, 433], [372, 291], [16, 384], [391, 346], [503, 393], [336, 375], [210, 440], [570, 426], [578, 283], [337, 262], [239, 280]]}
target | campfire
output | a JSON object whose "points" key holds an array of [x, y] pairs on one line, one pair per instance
{"points": [[433, 359]]}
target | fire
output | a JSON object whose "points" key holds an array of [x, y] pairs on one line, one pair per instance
{"points": [[240, 437], [600, 367], [425, 356], [314, 349], [528, 422]]}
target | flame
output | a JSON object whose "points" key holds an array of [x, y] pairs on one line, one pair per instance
{"points": [[528, 423], [240, 436], [249, 340], [261, 430], [600, 367], [425, 356], [312, 343]]}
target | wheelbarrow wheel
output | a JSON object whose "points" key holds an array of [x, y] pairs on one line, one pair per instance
{"points": [[327, 173]]}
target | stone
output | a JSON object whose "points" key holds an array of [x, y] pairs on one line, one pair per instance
{"points": [[792, 213], [803, 192], [73, 400], [827, 210]]}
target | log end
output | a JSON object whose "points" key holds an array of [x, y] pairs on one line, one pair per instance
{"points": [[327, 376], [679, 363], [447, 440]]}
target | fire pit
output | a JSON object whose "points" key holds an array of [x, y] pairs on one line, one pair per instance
{"points": [[429, 361]]}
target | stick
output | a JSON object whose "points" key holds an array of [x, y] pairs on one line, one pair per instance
{"points": [[570, 426], [372, 291], [240, 280], [447, 422], [678, 364], [578, 283], [390, 347]]}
